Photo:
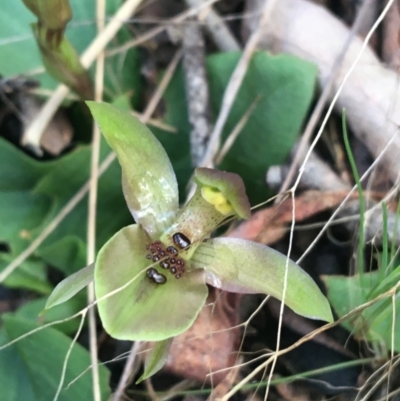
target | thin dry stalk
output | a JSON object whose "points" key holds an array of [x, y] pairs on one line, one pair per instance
{"points": [[216, 27], [127, 373], [235, 83], [155, 31], [92, 206], [161, 87], [230, 140], [157, 123]]}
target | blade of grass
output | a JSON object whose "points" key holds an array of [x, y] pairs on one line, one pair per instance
{"points": [[361, 234], [92, 206]]}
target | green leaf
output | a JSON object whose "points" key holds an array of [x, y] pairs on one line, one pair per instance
{"points": [[70, 286], [48, 186], [285, 85], [156, 358], [143, 310], [32, 309], [242, 266], [35, 363], [149, 182], [374, 323], [31, 274], [31, 209]]}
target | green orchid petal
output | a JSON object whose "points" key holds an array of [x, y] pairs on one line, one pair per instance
{"points": [[156, 358], [149, 182], [70, 286], [228, 184], [238, 265], [143, 310]]}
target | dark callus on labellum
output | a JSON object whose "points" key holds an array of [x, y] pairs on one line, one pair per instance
{"points": [[181, 241], [155, 276]]}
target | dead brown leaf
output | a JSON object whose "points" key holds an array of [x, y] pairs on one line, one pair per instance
{"points": [[271, 224], [211, 343]]}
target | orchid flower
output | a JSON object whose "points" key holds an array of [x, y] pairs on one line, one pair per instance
{"points": [[151, 277]]}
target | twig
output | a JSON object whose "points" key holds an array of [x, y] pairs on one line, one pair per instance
{"points": [[34, 132], [235, 83], [216, 27], [127, 373], [92, 206], [370, 91], [322, 101], [197, 93], [161, 87], [318, 175], [390, 42], [236, 131], [155, 31]]}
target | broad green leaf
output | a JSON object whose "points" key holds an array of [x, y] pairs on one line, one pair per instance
{"points": [[70, 286], [285, 85], [32, 311], [143, 310], [48, 186], [149, 182], [373, 323], [15, 384], [31, 274], [31, 209], [39, 358], [242, 266], [156, 358]]}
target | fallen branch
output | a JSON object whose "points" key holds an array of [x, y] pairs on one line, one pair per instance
{"points": [[370, 92]]}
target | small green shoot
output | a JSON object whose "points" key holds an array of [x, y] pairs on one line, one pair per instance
{"points": [[374, 323]]}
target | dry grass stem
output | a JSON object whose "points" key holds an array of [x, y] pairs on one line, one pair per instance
{"points": [[155, 31], [306, 338], [230, 140], [216, 27], [234, 84], [92, 206], [127, 373]]}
